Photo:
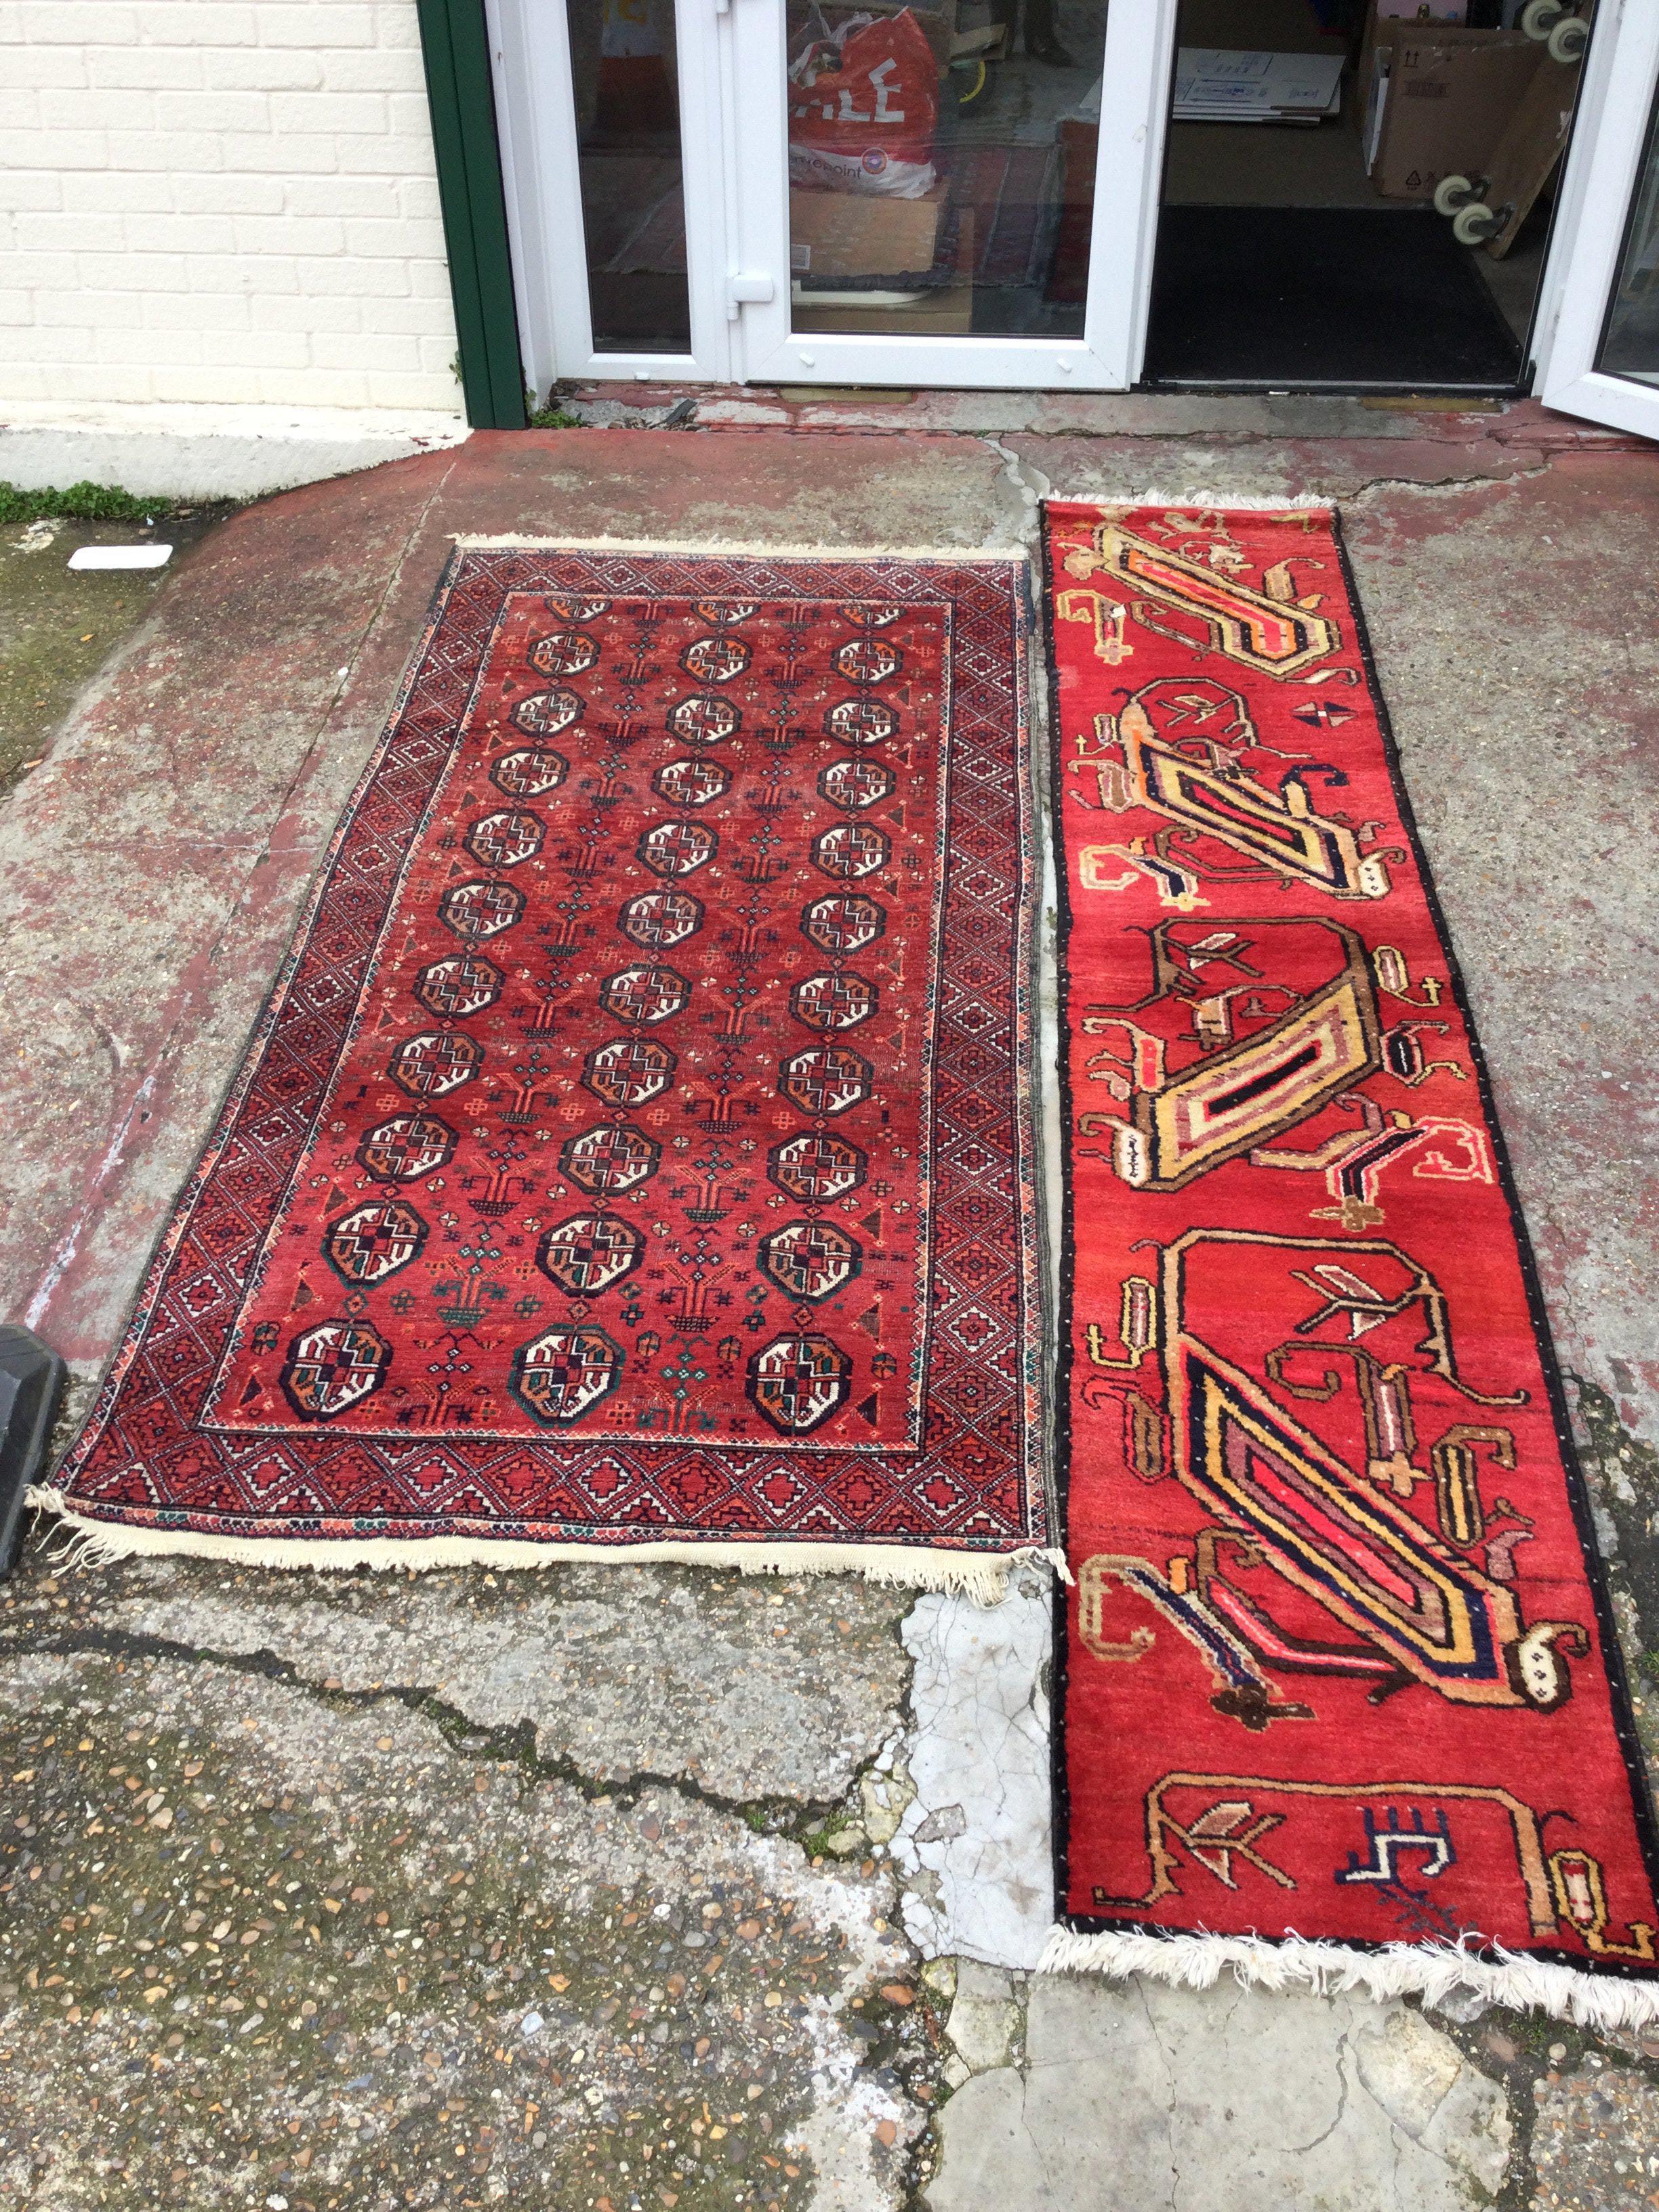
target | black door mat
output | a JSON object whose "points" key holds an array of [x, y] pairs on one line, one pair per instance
{"points": [[1338, 296]]}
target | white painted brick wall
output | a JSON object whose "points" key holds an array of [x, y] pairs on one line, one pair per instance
{"points": [[220, 200]]}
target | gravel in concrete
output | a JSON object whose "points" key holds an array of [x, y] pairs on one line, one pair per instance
{"points": [[1595, 2140], [261, 1945]]}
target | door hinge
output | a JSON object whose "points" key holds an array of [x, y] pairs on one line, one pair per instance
{"points": [[748, 289]]}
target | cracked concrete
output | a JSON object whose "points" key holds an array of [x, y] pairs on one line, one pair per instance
{"points": [[751, 1690], [1135, 2096], [862, 1778], [974, 1846], [528, 1917]]}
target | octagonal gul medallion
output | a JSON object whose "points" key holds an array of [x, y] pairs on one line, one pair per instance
{"points": [[678, 848], [407, 1147], [692, 782], [589, 1252], [480, 909], [810, 1260], [657, 919], [569, 610], [529, 770], [816, 1168], [825, 1079], [716, 660], [462, 985], [374, 1241], [609, 1159], [629, 1070], [564, 1373], [861, 721], [705, 718], [833, 1001], [850, 849], [501, 841], [856, 783], [644, 994], [565, 653], [721, 614], [868, 659], [332, 1365], [798, 1380], [843, 921], [544, 714], [435, 1062]]}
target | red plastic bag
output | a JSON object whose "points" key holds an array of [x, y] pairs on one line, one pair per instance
{"points": [[863, 108]]}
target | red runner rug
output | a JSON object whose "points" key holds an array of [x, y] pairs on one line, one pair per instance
{"points": [[635, 1150], [1339, 1668]]}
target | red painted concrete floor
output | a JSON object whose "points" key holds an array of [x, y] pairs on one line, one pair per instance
{"points": [[157, 857], [154, 864]]}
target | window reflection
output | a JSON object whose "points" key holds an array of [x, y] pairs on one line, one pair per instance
{"points": [[942, 165], [1631, 347], [628, 124]]}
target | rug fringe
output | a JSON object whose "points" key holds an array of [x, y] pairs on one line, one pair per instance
{"points": [[513, 542], [1433, 1971], [1208, 502], [85, 1542]]}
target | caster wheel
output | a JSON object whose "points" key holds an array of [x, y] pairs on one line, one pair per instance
{"points": [[1473, 226], [1567, 41], [1540, 17], [1452, 193]]}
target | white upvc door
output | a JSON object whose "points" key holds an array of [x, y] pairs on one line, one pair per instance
{"points": [[536, 111], [731, 77], [1135, 68], [1598, 353]]}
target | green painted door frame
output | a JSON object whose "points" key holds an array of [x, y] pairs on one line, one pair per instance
{"points": [[455, 41]]}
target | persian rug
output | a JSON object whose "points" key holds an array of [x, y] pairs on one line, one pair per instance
{"points": [[635, 1155], [1341, 1697]]}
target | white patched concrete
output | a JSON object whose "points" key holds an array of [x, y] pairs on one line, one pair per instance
{"points": [[1134, 2095], [974, 1844], [229, 201], [208, 453]]}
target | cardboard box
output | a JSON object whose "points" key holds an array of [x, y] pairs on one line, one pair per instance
{"points": [[862, 234], [942, 310], [1438, 103]]}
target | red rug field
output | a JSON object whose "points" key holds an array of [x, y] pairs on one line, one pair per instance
{"points": [[1338, 1665], [632, 1153]]}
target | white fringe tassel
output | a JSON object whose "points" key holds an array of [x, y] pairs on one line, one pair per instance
{"points": [[748, 549], [1428, 1969], [980, 1575]]}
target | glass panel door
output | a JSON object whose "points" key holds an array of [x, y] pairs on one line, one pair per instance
{"points": [[1601, 316], [624, 72], [610, 114], [945, 192], [1630, 344]]}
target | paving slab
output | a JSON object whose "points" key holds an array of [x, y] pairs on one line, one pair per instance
{"points": [[1135, 2096]]}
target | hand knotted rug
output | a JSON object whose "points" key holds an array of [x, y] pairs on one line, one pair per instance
{"points": [[1342, 1701], [635, 1155]]}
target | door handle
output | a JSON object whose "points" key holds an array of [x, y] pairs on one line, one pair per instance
{"points": [[748, 288]]}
